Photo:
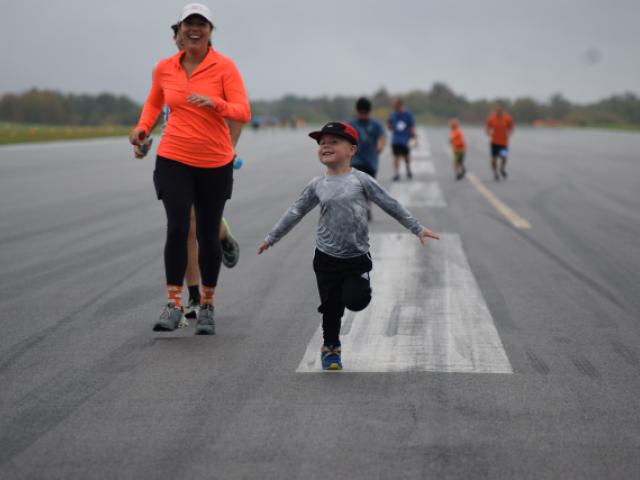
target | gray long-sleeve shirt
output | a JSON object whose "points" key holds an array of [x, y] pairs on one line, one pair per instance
{"points": [[342, 228]]}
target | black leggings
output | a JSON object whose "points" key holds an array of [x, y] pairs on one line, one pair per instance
{"points": [[180, 187], [342, 283]]}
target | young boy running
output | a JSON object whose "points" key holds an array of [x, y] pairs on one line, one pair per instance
{"points": [[342, 261], [457, 145]]}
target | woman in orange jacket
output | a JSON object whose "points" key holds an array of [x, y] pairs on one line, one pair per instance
{"points": [[194, 164]]}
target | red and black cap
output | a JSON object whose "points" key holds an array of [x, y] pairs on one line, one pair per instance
{"points": [[339, 129]]}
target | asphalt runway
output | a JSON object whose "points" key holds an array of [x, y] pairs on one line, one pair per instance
{"points": [[499, 352]]}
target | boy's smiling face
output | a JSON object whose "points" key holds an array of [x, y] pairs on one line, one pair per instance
{"points": [[334, 151]]}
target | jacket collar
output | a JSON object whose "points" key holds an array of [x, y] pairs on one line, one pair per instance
{"points": [[210, 59]]}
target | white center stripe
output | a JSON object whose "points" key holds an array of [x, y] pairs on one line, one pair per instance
{"points": [[418, 194], [427, 314], [515, 219]]}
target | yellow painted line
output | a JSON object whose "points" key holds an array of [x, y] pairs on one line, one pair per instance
{"points": [[515, 219]]}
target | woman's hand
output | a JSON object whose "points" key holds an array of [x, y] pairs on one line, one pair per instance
{"points": [[426, 233], [140, 151], [137, 136], [200, 100], [263, 246]]}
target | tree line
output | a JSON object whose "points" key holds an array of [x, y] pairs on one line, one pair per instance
{"points": [[440, 103], [54, 108], [433, 106]]}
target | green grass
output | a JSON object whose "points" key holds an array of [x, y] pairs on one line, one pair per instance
{"points": [[26, 133]]}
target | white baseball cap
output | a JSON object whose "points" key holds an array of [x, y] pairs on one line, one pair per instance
{"points": [[196, 9]]}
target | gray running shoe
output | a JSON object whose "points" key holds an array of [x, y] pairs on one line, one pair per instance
{"points": [[169, 319], [206, 324], [230, 251], [191, 309]]}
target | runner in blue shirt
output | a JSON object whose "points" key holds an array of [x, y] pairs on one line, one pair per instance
{"points": [[372, 141], [402, 126]]}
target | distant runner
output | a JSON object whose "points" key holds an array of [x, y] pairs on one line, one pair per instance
{"points": [[499, 129], [402, 126], [456, 139]]}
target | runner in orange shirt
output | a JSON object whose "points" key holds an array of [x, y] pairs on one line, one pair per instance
{"points": [[499, 128], [457, 145], [194, 165], [230, 247]]}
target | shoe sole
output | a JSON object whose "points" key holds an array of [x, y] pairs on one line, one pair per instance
{"points": [[162, 328], [205, 330], [334, 367], [231, 261]]}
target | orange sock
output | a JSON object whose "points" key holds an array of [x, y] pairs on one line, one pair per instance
{"points": [[174, 295], [207, 295]]}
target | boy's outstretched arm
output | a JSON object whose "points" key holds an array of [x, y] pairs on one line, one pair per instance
{"points": [[306, 202], [391, 206]]}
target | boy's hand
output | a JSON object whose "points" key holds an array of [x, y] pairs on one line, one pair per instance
{"points": [[263, 246], [426, 233]]}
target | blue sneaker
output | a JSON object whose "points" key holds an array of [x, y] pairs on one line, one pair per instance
{"points": [[330, 357]]}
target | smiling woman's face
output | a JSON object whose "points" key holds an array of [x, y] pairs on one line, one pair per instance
{"points": [[195, 32]]}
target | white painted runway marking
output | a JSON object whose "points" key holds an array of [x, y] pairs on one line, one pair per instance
{"points": [[427, 314], [423, 168], [423, 148], [421, 153], [418, 194]]}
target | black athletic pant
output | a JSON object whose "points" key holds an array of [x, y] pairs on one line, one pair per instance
{"points": [[180, 187], [342, 283]]}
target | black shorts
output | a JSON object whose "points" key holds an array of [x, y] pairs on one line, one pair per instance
{"points": [[342, 282], [497, 150], [399, 149], [217, 182]]}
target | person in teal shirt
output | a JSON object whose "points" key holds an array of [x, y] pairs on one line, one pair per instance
{"points": [[371, 143]]}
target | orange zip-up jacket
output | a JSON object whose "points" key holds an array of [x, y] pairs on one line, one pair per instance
{"points": [[457, 140], [196, 136]]}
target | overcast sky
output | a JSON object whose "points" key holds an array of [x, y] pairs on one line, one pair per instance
{"points": [[584, 49]]}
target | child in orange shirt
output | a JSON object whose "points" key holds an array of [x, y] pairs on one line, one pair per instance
{"points": [[457, 145]]}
